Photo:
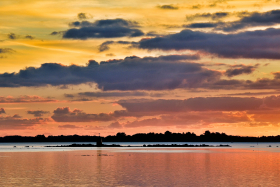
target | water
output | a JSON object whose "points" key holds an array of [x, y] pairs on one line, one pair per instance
{"points": [[239, 165]]}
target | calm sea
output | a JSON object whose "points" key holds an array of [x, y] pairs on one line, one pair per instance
{"points": [[243, 164]]}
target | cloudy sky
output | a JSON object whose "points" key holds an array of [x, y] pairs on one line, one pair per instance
{"points": [[102, 66]]}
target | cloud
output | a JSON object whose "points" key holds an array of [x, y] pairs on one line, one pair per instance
{"points": [[29, 37], [252, 20], [69, 127], [260, 44], [2, 111], [12, 36], [197, 112], [25, 99], [265, 117], [198, 6], [253, 93], [247, 20], [260, 83], [213, 16], [152, 33], [192, 119], [6, 50], [82, 16], [201, 25], [105, 45], [192, 104], [37, 113], [192, 111], [131, 73], [134, 73], [115, 125], [120, 94], [168, 7], [57, 32], [240, 69], [17, 122], [109, 28], [66, 115], [69, 95], [113, 94], [200, 104]]}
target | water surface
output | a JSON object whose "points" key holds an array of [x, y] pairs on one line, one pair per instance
{"points": [[240, 165]]}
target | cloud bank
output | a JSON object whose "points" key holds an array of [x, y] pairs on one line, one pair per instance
{"points": [[260, 44], [131, 73], [109, 28]]}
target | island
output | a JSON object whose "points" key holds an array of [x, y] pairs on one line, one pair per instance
{"points": [[144, 145]]}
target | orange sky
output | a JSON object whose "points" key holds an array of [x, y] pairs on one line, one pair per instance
{"points": [[90, 66]]}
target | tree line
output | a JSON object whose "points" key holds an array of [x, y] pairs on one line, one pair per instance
{"points": [[168, 136]]}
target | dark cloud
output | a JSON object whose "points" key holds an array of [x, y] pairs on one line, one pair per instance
{"points": [[152, 33], [253, 93], [201, 25], [2, 111], [272, 101], [29, 37], [83, 99], [113, 94], [17, 122], [6, 50], [66, 115], [131, 73], [246, 20], [12, 36], [262, 83], [192, 111], [240, 69], [213, 16], [56, 32], [82, 16], [121, 94], [25, 99], [252, 20], [69, 127], [134, 73], [110, 28], [201, 104], [261, 44], [198, 6], [69, 95], [169, 7], [63, 87], [105, 45], [192, 104], [218, 2], [105, 23], [110, 54], [37, 113]]}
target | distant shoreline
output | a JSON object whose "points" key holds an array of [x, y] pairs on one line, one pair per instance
{"points": [[149, 145]]}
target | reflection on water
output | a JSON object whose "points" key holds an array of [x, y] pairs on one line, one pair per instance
{"points": [[141, 167]]}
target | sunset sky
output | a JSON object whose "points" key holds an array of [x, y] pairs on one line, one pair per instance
{"points": [[102, 66]]}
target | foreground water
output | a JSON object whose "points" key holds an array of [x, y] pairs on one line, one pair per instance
{"points": [[243, 164]]}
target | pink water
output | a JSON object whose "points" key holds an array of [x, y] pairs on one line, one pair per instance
{"points": [[141, 167]]}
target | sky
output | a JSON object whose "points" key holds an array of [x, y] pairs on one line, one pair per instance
{"points": [[102, 66]]}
